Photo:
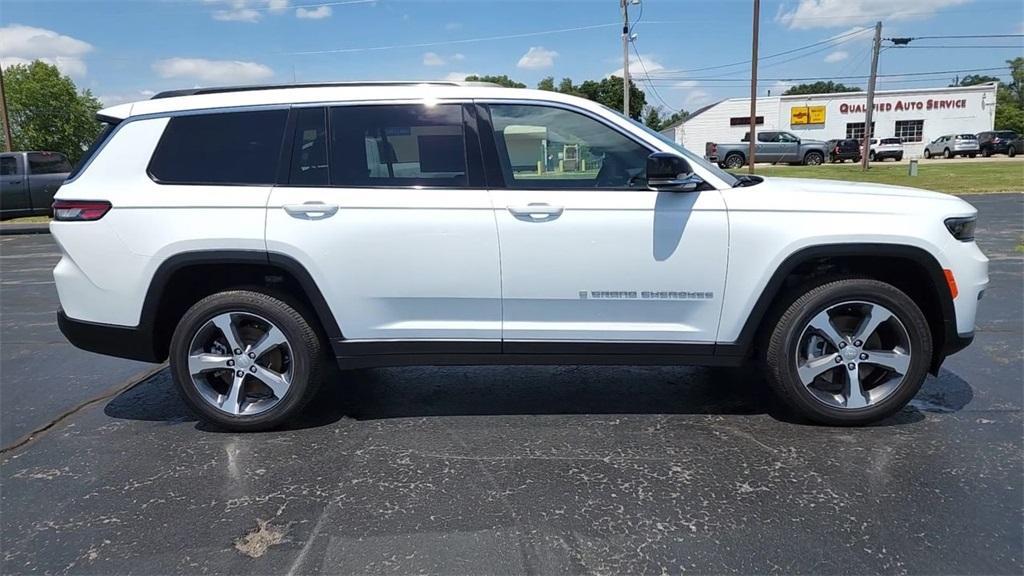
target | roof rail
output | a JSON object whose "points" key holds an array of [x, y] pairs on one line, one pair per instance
{"points": [[223, 89]]}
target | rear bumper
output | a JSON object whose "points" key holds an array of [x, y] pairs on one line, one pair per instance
{"points": [[120, 341]]}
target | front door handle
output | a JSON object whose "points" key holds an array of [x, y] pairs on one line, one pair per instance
{"points": [[536, 212], [311, 210]]}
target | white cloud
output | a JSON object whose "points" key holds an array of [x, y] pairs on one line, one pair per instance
{"points": [[246, 10], [837, 56], [432, 59], [212, 71], [458, 57], [458, 76], [836, 13], [318, 13], [123, 97], [696, 99], [537, 57], [22, 44], [637, 70]]}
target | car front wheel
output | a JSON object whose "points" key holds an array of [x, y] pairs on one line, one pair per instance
{"points": [[813, 158], [245, 360], [927, 154], [849, 352], [1011, 151]]}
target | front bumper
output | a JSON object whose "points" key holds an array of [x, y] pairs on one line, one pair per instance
{"points": [[120, 341]]}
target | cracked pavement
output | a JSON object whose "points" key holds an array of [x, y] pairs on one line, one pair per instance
{"points": [[538, 470]]}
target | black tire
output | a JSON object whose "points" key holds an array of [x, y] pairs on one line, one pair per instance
{"points": [[813, 159], [986, 152], [899, 158], [871, 156], [1011, 151], [734, 161], [784, 339], [947, 154], [972, 155], [927, 154], [306, 357]]}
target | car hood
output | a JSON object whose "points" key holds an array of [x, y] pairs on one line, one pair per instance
{"points": [[819, 186]]}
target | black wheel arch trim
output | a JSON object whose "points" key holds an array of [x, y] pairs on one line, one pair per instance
{"points": [[952, 341]]}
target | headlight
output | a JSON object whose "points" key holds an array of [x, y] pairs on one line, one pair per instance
{"points": [[962, 228]]}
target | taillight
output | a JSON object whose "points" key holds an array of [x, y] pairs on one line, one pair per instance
{"points": [[79, 210]]}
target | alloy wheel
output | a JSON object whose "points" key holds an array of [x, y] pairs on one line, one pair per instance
{"points": [[241, 363], [853, 355]]}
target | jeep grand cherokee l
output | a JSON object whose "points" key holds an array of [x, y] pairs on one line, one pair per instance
{"points": [[249, 235]]}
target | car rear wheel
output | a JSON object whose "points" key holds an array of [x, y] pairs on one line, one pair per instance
{"points": [[813, 158], [1011, 151], [986, 152], [734, 161], [245, 360], [947, 154], [848, 352], [871, 156]]}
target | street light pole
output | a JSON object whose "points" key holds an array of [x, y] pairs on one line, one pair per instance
{"points": [[625, 56], [752, 151]]}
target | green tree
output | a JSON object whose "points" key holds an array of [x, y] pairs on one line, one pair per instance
{"points": [[608, 91], [566, 87], [547, 84], [819, 87], [502, 80], [974, 80], [652, 118], [1016, 85], [47, 111]]}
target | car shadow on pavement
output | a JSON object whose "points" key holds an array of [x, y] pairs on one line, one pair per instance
{"points": [[578, 390]]}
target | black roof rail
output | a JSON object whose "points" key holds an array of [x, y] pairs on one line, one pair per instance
{"points": [[223, 89]]}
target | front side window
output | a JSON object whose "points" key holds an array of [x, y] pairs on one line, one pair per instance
{"points": [[786, 137], [398, 145], [547, 147], [8, 166], [240, 148], [48, 163]]}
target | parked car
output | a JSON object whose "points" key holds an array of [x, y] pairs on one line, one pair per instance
{"points": [[843, 150], [952, 145], [772, 146], [28, 181], [999, 142], [258, 231], [886, 148]]}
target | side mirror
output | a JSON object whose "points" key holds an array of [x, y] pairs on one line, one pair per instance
{"points": [[670, 173]]}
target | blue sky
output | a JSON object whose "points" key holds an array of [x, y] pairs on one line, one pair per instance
{"points": [[127, 49]]}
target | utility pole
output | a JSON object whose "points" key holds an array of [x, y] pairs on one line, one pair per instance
{"points": [[8, 146], [752, 152], [625, 56], [870, 112]]}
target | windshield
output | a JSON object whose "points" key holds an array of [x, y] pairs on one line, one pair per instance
{"points": [[729, 179]]}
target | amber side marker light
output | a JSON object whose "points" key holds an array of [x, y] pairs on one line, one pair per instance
{"points": [[951, 281], [79, 210]]}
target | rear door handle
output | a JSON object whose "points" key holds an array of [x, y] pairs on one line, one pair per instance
{"points": [[311, 210], [536, 212]]}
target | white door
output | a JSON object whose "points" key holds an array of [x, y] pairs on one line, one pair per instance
{"points": [[381, 212], [590, 254]]}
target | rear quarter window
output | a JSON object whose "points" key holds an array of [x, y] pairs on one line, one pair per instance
{"points": [[240, 148]]}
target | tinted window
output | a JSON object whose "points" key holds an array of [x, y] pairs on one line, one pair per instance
{"points": [[407, 145], [8, 166], [891, 141], [223, 148], [48, 163], [545, 147], [309, 149], [765, 137]]}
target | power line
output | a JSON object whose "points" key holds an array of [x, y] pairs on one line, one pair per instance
{"points": [[960, 36], [953, 46], [937, 72]]}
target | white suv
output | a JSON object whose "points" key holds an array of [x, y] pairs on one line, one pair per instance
{"points": [[249, 234]]}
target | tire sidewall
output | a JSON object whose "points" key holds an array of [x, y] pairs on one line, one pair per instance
{"points": [[868, 291], [205, 310]]}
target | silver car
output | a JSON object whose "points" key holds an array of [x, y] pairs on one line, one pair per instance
{"points": [[952, 145]]}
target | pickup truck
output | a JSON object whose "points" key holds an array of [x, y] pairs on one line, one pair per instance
{"points": [[28, 181], [772, 146]]}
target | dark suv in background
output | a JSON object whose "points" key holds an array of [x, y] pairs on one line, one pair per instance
{"points": [[842, 150], [999, 142]]}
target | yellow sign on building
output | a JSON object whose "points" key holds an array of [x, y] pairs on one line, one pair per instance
{"points": [[801, 115]]}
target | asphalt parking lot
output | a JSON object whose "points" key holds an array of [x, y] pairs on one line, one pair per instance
{"points": [[511, 470]]}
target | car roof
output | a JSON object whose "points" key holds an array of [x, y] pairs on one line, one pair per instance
{"points": [[245, 96]]}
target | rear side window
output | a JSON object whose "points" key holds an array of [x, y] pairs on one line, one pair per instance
{"points": [[241, 148], [48, 163], [309, 149], [398, 145], [8, 166]]}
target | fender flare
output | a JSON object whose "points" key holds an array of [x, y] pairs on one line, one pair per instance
{"points": [[745, 342]]}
